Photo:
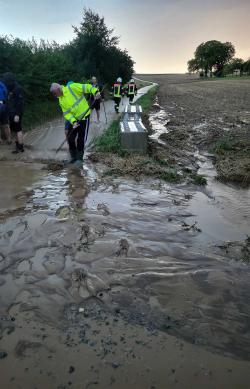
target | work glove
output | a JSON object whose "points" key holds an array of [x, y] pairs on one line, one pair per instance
{"points": [[16, 118], [98, 96]]}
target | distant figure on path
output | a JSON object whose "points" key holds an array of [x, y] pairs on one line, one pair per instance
{"points": [[118, 93], [96, 104], [131, 90]]}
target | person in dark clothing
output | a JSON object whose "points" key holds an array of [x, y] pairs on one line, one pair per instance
{"points": [[4, 117], [96, 104], [15, 109], [118, 93], [131, 90]]}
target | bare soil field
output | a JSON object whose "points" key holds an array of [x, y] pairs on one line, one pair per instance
{"points": [[210, 115]]}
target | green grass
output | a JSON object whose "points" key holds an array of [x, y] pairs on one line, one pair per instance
{"points": [[198, 179], [109, 141], [223, 145], [146, 101], [170, 176], [40, 112]]}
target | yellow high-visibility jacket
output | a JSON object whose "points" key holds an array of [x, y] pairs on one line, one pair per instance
{"points": [[73, 102]]}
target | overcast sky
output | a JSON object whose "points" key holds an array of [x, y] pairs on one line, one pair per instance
{"points": [[160, 35]]}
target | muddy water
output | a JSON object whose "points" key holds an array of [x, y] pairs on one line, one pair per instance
{"points": [[17, 178], [223, 211], [116, 283]]}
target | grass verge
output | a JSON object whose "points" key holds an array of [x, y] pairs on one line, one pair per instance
{"points": [[109, 141], [146, 101]]}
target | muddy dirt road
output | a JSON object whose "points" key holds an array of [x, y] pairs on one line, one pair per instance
{"points": [[116, 283]]}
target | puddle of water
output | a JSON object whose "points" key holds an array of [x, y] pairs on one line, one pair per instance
{"points": [[222, 211], [16, 178]]}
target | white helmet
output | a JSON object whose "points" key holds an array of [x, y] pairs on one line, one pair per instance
{"points": [[132, 80], [119, 79]]}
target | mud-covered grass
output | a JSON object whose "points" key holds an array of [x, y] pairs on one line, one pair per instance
{"points": [[232, 158], [136, 166]]}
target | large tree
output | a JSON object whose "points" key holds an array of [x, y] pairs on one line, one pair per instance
{"points": [[212, 55], [246, 67], [96, 50], [234, 64]]}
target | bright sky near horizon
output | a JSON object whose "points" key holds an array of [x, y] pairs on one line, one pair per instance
{"points": [[160, 35]]}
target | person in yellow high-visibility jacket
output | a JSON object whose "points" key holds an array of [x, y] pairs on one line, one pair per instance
{"points": [[76, 111]]}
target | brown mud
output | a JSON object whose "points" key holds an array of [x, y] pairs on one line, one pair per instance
{"points": [[107, 282], [209, 115]]}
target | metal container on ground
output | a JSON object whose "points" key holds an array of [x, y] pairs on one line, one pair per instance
{"points": [[134, 137]]}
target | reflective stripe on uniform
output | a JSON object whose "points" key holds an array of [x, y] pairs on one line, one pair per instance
{"points": [[71, 91], [71, 117], [82, 115], [76, 103]]}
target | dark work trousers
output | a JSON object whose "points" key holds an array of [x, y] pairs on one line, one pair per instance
{"points": [[77, 137], [117, 101], [131, 98]]}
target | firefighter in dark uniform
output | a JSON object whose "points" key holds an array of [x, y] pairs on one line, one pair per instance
{"points": [[131, 90], [118, 93]]}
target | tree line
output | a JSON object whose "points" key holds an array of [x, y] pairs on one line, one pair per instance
{"points": [[94, 50], [217, 58]]}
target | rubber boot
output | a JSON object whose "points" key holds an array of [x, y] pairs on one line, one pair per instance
{"points": [[78, 162], [80, 155], [16, 151], [73, 156], [21, 148]]}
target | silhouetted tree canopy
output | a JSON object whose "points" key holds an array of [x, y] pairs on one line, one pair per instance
{"points": [[211, 55]]}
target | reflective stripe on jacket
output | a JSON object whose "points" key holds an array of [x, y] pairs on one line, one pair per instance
{"points": [[73, 102], [131, 89], [117, 90]]}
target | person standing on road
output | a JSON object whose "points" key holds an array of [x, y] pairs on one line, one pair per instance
{"points": [[15, 107], [96, 104], [118, 93], [76, 111], [131, 90], [4, 117]]}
